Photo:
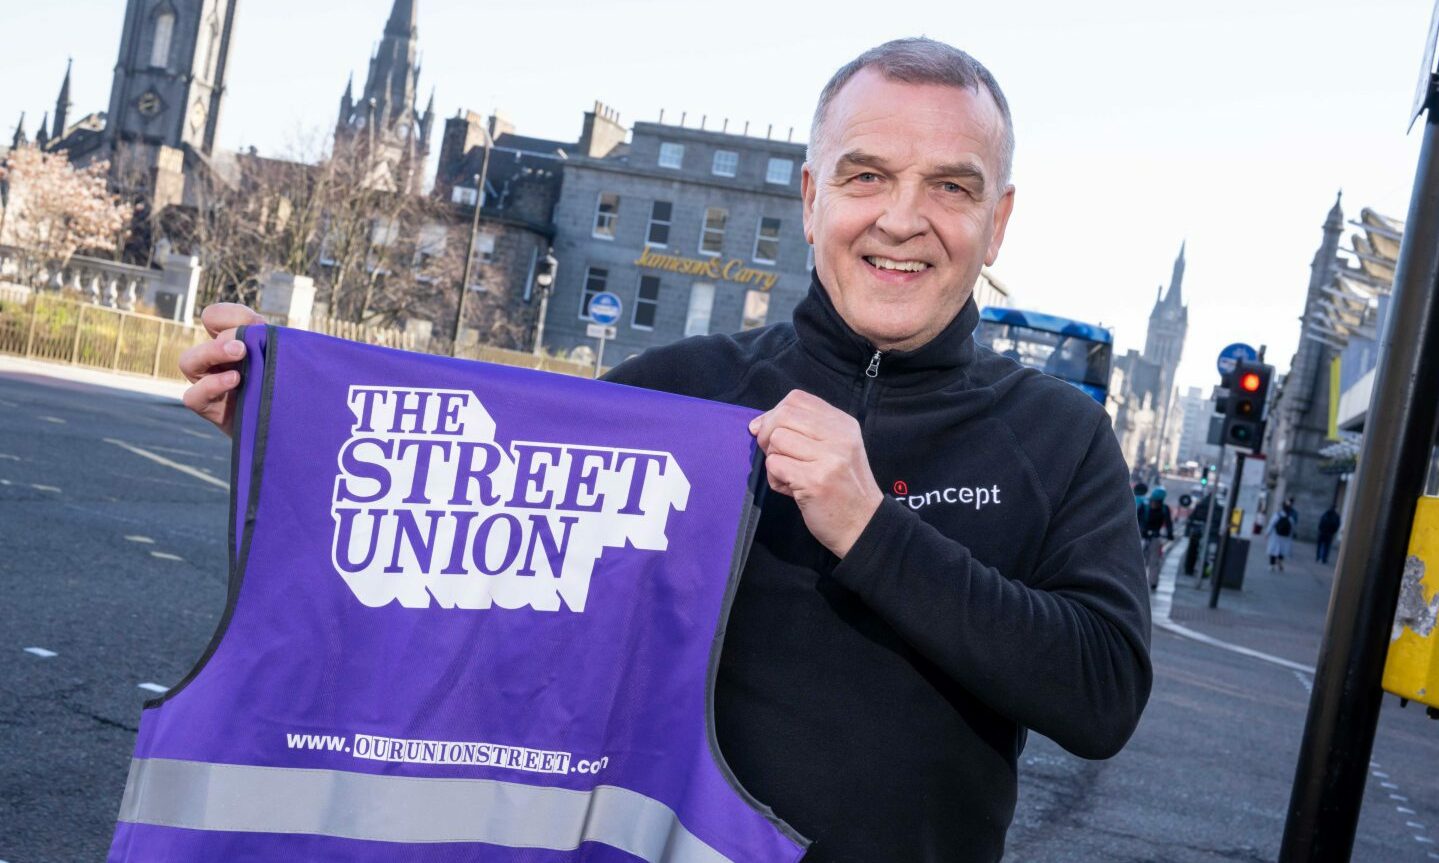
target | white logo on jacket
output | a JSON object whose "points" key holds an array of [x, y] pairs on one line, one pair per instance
{"points": [[427, 504]]}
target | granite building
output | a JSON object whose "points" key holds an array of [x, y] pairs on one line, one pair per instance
{"points": [[697, 231]]}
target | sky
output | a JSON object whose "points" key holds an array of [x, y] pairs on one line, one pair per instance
{"points": [[1229, 125]]}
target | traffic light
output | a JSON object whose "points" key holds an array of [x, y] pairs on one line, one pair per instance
{"points": [[1204, 477], [1246, 406]]}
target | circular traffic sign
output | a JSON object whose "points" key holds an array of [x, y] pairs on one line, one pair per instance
{"points": [[1233, 353], [605, 308]]}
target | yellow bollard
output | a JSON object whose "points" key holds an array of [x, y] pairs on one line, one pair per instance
{"points": [[1412, 668]]}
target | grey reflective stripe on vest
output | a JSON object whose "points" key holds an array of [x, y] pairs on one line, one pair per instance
{"points": [[233, 797]]}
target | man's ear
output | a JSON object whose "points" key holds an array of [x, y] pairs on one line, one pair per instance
{"points": [[807, 184], [1001, 222]]}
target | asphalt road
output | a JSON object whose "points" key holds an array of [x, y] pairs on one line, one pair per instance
{"points": [[113, 577]]}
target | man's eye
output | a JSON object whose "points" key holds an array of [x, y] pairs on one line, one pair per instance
{"points": [[866, 176], [953, 188]]}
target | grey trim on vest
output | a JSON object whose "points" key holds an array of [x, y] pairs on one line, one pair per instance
{"points": [[242, 798]]}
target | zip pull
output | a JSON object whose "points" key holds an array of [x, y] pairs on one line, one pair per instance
{"points": [[873, 370]]}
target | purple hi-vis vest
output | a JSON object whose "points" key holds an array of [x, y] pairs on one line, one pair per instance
{"points": [[474, 614]]}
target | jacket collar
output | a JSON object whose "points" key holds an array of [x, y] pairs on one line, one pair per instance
{"points": [[831, 341]]}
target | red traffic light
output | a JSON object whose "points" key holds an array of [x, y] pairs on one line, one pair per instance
{"points": [[1250, 382]]}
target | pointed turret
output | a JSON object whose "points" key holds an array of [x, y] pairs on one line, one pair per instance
{"points": [[20, 138], [42, 135], [1335, 219], [62, 105], [427, 120], [347, 101]]}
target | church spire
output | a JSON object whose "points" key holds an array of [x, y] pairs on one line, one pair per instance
{"points": [[402, 21], [42, 135], [62, 104], [1175, 296], [347, 101], [20, 138]]}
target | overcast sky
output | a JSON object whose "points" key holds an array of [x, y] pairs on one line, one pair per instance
{"points": [[1139, 124]]}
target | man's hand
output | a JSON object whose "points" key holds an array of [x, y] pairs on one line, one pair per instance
{"points": [[212, 367], [814, 453]]}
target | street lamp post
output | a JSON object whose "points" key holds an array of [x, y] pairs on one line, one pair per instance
{"points": [[480, 179]]}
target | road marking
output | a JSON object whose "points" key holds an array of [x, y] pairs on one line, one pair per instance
{"points": [[55, 420], [1424, 839], [1405, 811], [6, 482], [1415, 824], [1164, 601], [138, 538], [159, 459], [196, 434], [1400, 797], [165, 555], [39, 487], [177, 451], [1389, 785], [154, 687], [1308, 683], [1378, 774], [8, 457], [43, 654]]}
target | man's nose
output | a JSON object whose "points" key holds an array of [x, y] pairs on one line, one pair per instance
{"points": [[903, 215]]}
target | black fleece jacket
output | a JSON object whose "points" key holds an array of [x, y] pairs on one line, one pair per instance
{"points": [[879, 703]]}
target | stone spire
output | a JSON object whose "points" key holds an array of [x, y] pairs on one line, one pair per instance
{"points": [[20, 139], [347, 101], [42, 135], [402, 21], [395, 132], [1175, 297], [1335, 220], [62, 105]]}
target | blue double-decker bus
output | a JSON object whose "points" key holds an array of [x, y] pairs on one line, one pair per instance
{"points": [[1079, 353]]}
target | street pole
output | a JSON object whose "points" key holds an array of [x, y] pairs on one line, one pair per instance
{"points": [[1217, 577], [470, 248], [546, 282], [1344, 708]]}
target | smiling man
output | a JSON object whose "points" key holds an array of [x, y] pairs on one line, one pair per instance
{"points": [[894, 638]]}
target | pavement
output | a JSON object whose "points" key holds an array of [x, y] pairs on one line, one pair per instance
{"points": [[112, 517]]}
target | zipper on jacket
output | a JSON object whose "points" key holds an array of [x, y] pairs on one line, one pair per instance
{"points": [[871, 373]]}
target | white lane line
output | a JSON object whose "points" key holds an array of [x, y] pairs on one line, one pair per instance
{"points": [[1400, 797], [159, 459], [55, 420], [1164, 601], [6, 482], [1415, 824], [177, 451], [165, 555], [1424, 839], [39, 487], [1404, 810], [1378, 774], [154, 687], [135, 537], [8, 457], [1389, 785], [1307, 682], [196, 434], [41, 652]]}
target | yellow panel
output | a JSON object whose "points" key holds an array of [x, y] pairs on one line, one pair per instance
{"points": [[1412, 669]]}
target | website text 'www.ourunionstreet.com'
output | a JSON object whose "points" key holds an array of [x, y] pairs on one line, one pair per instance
{"points": [[401, 751]]}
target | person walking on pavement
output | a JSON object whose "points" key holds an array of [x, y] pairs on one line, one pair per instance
{"points": [[1281, 537], [1194, 529], [1329, 524], [1154, 519]]}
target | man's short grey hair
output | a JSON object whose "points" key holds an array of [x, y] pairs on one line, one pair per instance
{"points": [[917, 60]]}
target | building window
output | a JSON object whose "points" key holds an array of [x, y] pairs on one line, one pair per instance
{"points": [[726, 163], [464, 196], [712, 237], [766, 241], [607, 215], [430, 244], [483, 253], [595, 280], [659, 232], [647, 303], [756, 310], [779, 171], [702, 301], [160, 46], [672, 155]]}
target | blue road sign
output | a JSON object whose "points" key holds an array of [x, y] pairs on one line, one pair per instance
{"points": [[605, 308], [1233, 353]]}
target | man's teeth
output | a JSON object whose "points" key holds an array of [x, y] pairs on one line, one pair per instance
{"points": [[887, 264]]}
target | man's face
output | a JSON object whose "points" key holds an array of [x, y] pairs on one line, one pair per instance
{"points": [[903, 205]]}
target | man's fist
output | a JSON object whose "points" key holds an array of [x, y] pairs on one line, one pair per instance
{"points": [[213, 367], [814, 453]]}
